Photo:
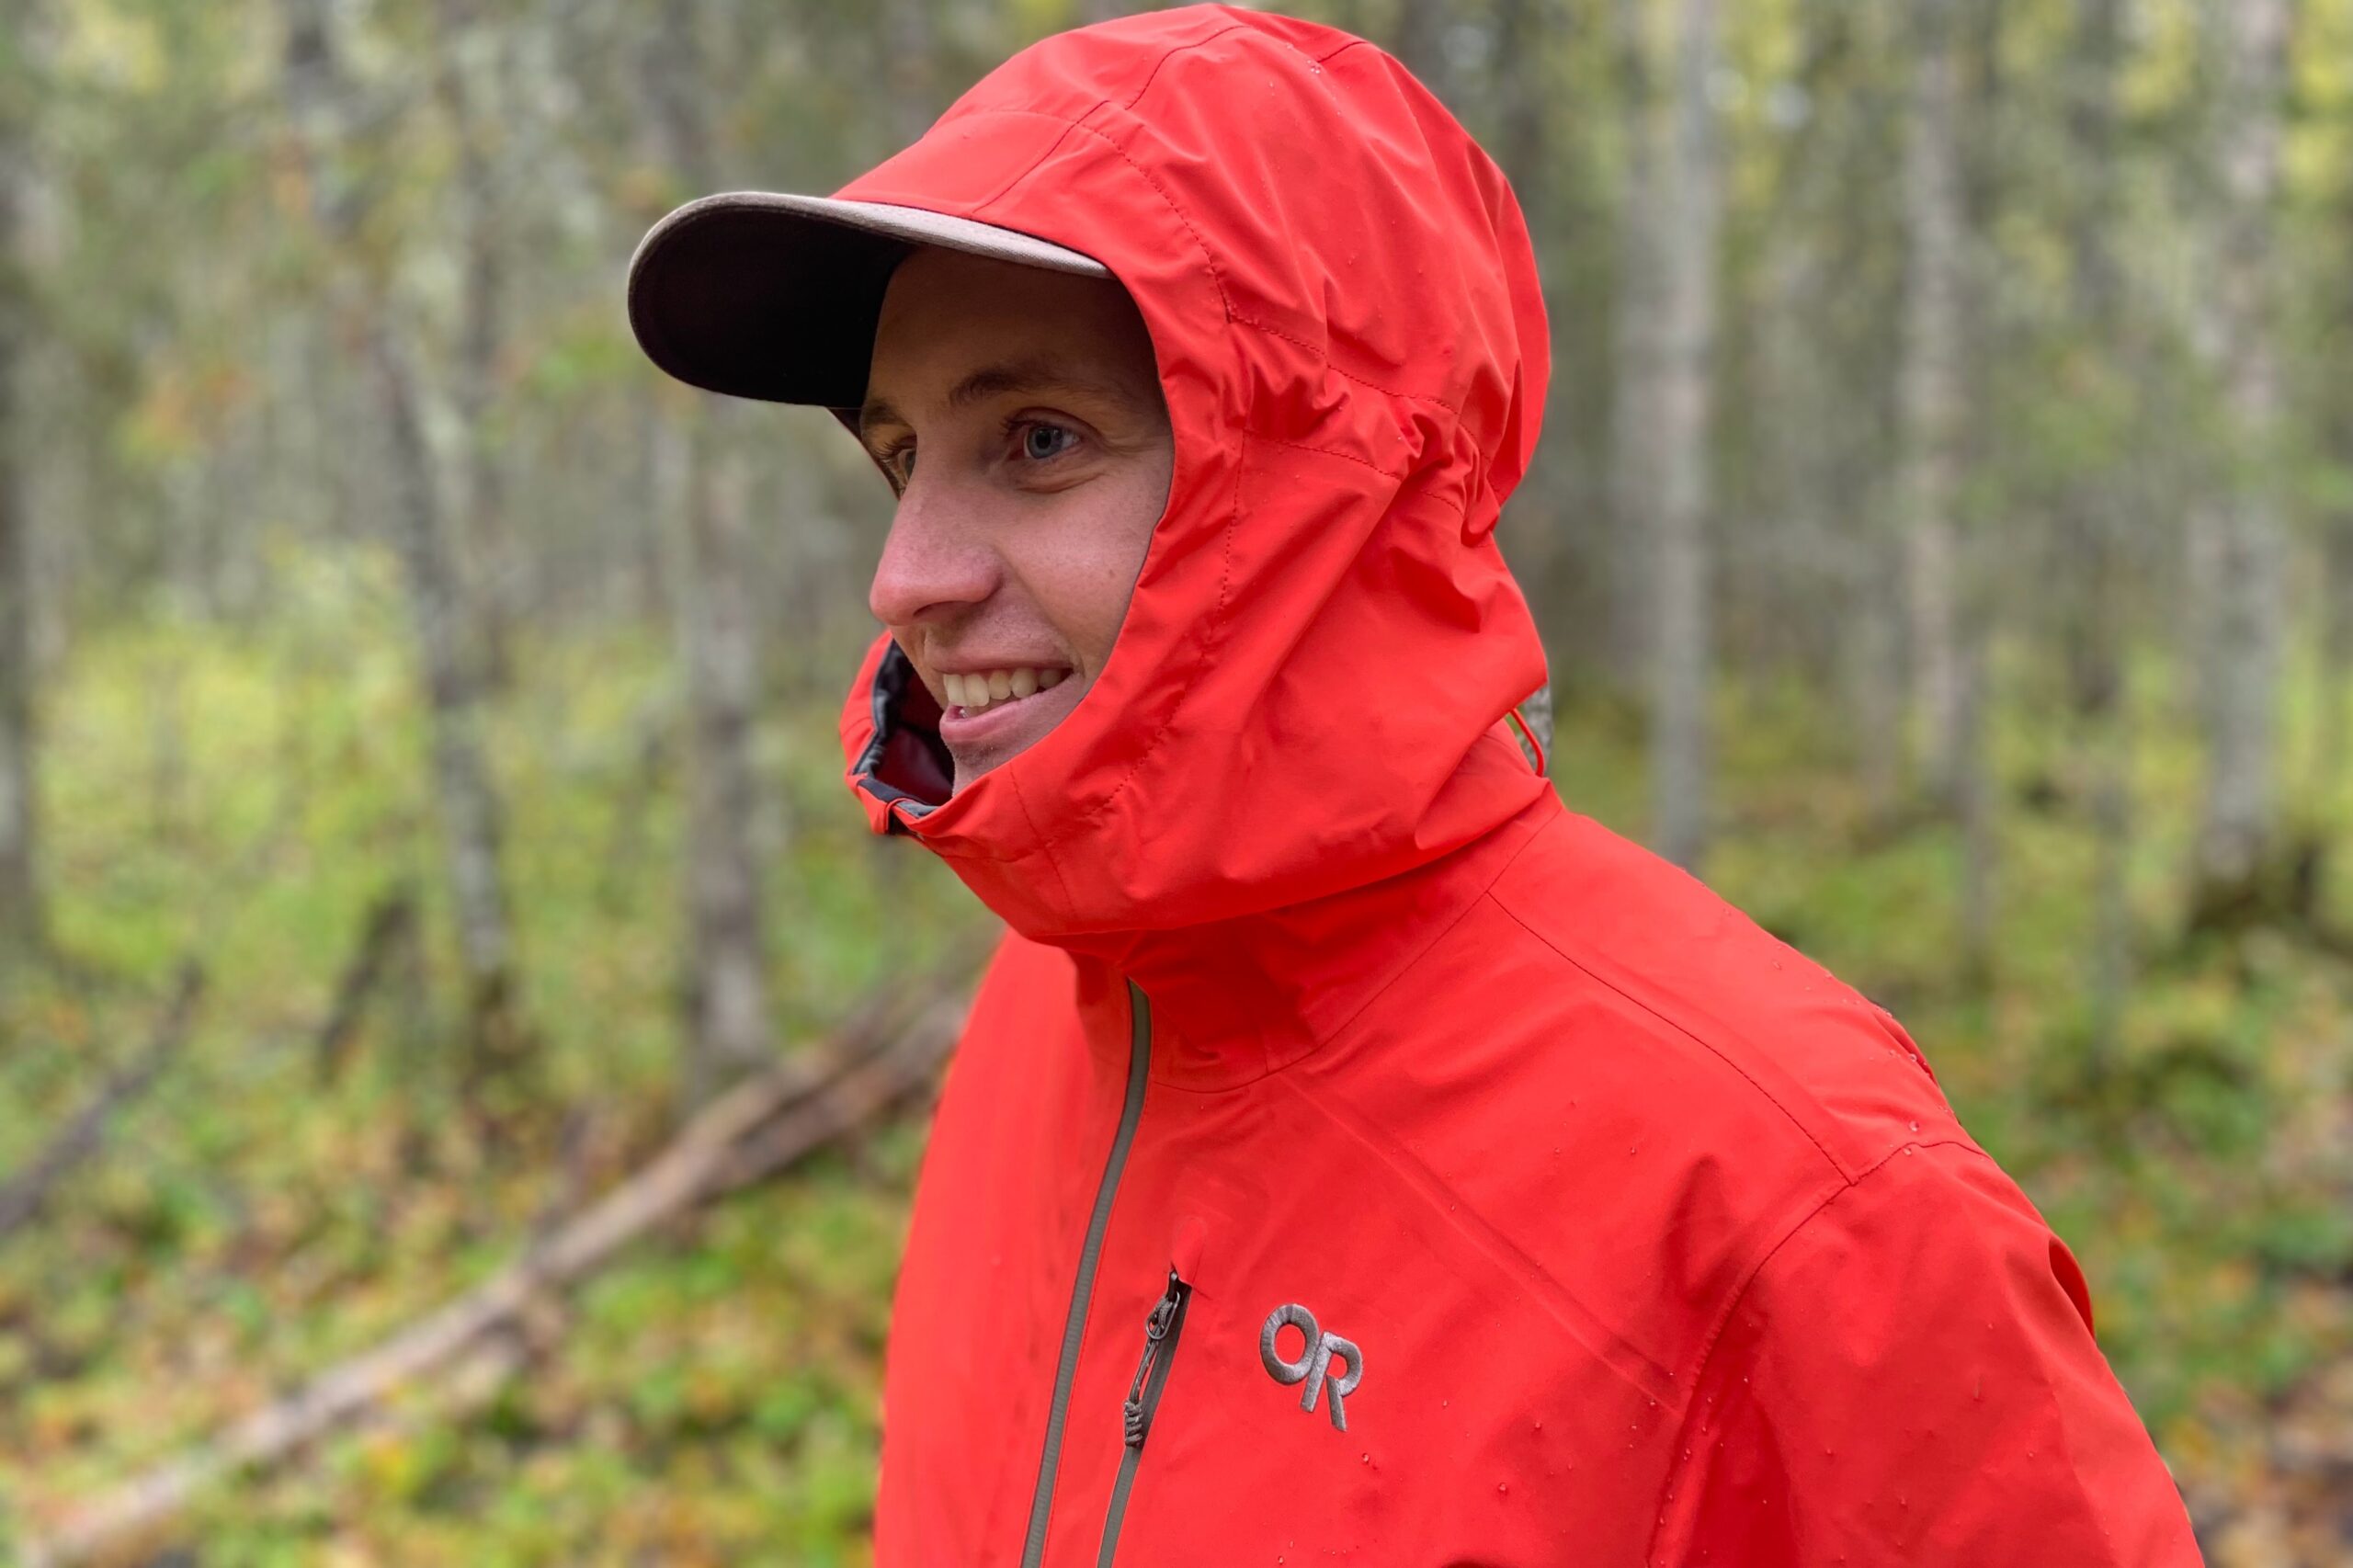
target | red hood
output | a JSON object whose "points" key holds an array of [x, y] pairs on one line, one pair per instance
{"points": [[1306, 695]]}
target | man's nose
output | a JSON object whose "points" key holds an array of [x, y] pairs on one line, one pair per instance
{"points": [[935, 562]]}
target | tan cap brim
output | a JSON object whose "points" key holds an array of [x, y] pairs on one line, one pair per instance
{"points": [[763, 295]]}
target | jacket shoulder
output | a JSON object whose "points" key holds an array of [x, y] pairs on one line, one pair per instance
{"points": [[1682, 962]]}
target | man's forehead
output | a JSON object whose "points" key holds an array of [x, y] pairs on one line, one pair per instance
{"points": [[1026, 375]]}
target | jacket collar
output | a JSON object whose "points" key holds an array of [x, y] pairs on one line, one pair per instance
{"points": [[1235, 1000]]}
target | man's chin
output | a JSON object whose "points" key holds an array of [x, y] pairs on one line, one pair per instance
{"points": [[982, 760]]}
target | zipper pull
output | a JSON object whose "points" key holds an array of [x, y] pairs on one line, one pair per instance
{"points": [[1136, 1414]]}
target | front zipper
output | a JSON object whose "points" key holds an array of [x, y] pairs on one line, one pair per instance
{"points": [[1159, 1333], [1041, 1500]]}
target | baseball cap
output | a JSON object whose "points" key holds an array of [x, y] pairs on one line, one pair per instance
{"points": [[765, 295]]}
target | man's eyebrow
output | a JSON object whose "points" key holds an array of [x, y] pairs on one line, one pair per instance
{"points": [[1013, 376], [1032, 376]]}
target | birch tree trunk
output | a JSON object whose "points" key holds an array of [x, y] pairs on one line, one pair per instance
{"points": [[1929, 393], [484, 524], [318, 92], [1688, 198], [2246, 538], [20, 919], [726, 960], [463, 790], [730, 977]]}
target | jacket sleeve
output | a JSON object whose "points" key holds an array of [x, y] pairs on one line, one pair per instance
{"points": [[1910, 1378]]}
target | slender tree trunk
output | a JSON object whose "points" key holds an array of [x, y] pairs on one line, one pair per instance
{"points": [[21, 913], [2335, 608], [912, 80], [1417, 38], [1521, 87], [730, 981], [2092, 531], [726, 984], [2249, 544], [488, 533], [1638, 357], [464, 791], [1930, 390], [1689, 195], [1973, 801]]}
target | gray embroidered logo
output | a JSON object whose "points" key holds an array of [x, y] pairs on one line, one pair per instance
{"points": [[1315, 1362]]}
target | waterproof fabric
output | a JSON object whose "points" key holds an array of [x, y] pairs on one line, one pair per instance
{"points": [[1655, 1244]]}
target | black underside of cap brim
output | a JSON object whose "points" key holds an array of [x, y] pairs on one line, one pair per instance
{"points": [[776, 305]]}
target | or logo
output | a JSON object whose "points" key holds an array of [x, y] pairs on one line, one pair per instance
{"points": [[1314, 1364]]}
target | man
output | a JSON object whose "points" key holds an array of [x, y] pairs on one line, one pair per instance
{"points": [[1352, 1155]]}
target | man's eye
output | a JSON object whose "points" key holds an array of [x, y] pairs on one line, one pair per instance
{"points": [[1041, 441]]}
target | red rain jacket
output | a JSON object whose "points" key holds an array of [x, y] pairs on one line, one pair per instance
{"points": [[1355, 1154]]}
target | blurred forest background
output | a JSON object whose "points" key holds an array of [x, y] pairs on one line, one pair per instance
{"points": [[462, 1063]]}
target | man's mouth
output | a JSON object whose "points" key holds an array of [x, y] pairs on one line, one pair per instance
{"points": [[975, 691]]}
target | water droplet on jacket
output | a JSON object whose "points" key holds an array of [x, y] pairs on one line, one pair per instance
{"points": [[1915, 1127], [1368, 1458], [1503, 1485]]}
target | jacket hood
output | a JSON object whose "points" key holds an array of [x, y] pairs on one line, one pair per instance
{"points": [[1307, 694]]}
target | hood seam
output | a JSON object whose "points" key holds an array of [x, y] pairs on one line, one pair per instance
{"points": [[1052, 147], [1323, 451], [1324, 356], [1209, 257], [1045, 843], [1172, 52]]}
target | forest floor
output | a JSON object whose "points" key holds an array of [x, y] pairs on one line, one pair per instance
{"points": [[265, 1209]]}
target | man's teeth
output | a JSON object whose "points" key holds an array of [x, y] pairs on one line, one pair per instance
{"points": [[978, 689]]}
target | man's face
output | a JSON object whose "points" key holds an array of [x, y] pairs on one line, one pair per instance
{"points": [[1018, 415]]}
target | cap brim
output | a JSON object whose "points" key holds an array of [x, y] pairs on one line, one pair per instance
{"points": [[763, 295]]}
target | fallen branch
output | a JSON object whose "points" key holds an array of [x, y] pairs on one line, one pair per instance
{"points": [[24, 1194], [753, 1130]]}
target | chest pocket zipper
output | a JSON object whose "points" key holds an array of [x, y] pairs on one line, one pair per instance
{"points": [[1160, 1335]]}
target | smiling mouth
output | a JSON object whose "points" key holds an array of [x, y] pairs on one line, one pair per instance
{"points": [[978, 690]]}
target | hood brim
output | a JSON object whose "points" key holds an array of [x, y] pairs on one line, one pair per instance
{"points": [[761, 294]]}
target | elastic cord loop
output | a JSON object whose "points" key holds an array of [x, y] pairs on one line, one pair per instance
{"points": [[1529, 736]]}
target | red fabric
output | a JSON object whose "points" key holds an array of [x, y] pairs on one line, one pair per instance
{"points": [[1659, 1243]]}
